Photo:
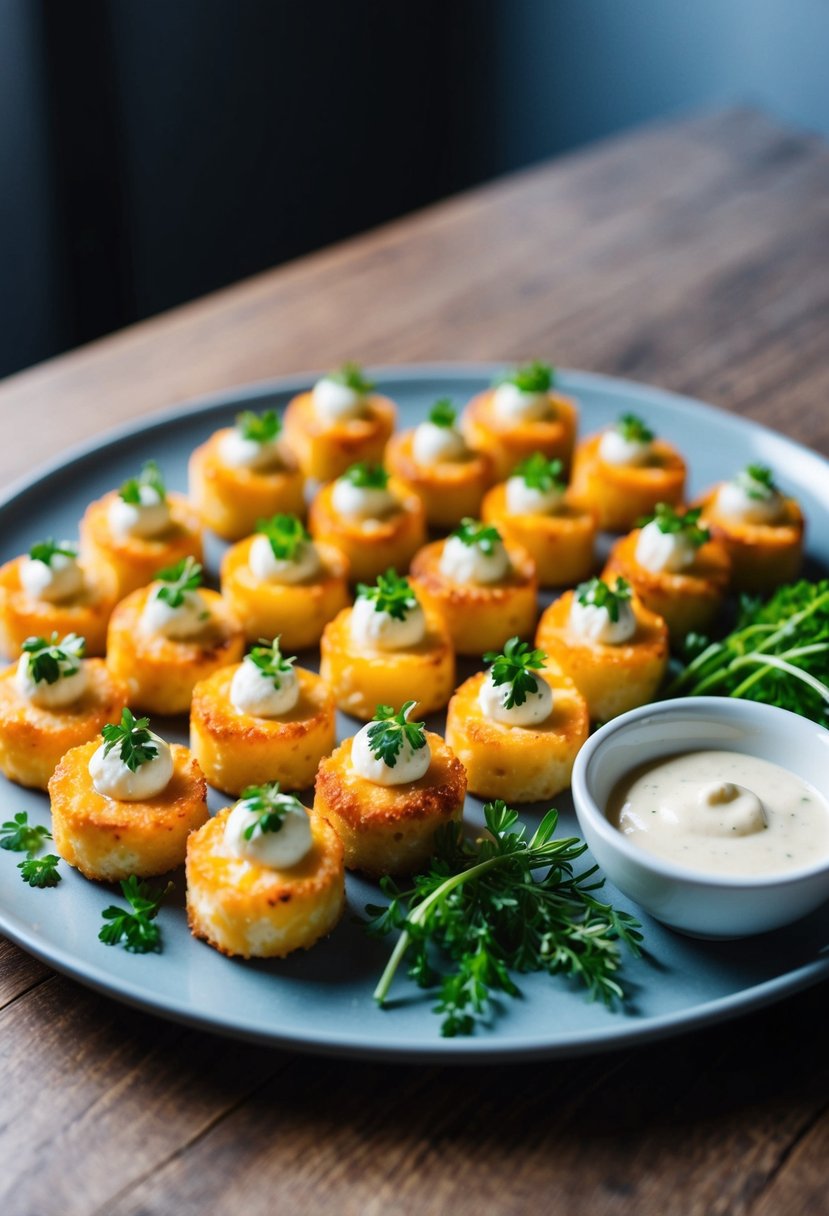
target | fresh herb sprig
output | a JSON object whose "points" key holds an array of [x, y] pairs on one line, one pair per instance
{"points": [[365, 475], [269, 806], [757, 481], [353, 377], [149, 478], [260, 428], [40, 871], [135, 926], [132, 737], [286, 535], [481, 914], [514, 666], [389, 731], [51, 659], [599, 594], [539, 473], [472, 532], [683, 523], [391, 594], [269, 659], [45, 550], [179, 581], [633, 429], [443, 413], [778, 653], [19, 836], [533, 377]]}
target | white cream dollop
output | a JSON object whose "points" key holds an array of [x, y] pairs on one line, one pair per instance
{"points": [[410, 763], [254, 692], [512, 404], [237, 452], [113, 779], [57, 580], [379, 630], [433, 444], [661, 551], [593, 623], [536, 708], [748, 502], [361, 502], [464, 563], [528, 500], [268, 568], [187, 620], [274, 850], [147, 518], [336, 402], [65, 691], [615, 449]]}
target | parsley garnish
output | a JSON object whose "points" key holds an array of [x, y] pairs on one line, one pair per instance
{"points": [[778, 653], [600, 595], [757, 481], [40, 871], [45, 550], [367, 476], [135, 740], [531, 378], [669, 520], [513, 666], [539, 473], [391, 593], [351, 375], [443, 413], [473, 532], [270, 661], [480, 913], [52, 660], [136, 928], [149, 477], [179, 581], [633, 429], [269, 806], [19, 836], [286, 534], [389, 730], [261, 428]]}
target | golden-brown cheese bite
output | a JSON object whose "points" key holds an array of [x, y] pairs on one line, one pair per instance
{"points": [[479, 617], [561, 543], [371, 545], [389, 829], [33, 738], [621, 494], [237, 749], [135, 560], [686, 600], [612, 678], [325, 449], [298, 612], [510, 442], [244, 908], [107, 839], [86, 614], [161, 672], [517, 763], [763, 555], [448, 489], [231, 499]]}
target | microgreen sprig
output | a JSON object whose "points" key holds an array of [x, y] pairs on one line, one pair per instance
{"points": [[365, 475], [391, 594], [353, 377], [286, 535], [260, 428], [539, 473], [51, 660], [150, 477], [389, 730], [179, 581], [269, 806], [268, 658], [443, 413], [135, 926], [19, 836], [533, 377], [45, 550], [633, 430], [479, 914], [133, 738], [599, 594], [40, 871], [473, 532], [683, 523], [757, 481], [514, 667]]}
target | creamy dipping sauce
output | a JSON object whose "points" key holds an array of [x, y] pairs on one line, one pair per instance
{"points": [[722, 812]]}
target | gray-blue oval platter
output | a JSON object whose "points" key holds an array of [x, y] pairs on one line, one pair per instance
{"points": [[322, 1001]]}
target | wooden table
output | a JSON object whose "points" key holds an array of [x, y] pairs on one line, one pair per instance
{"points": [[691, 255]]}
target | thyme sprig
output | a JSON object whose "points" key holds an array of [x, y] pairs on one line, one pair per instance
{"points": [[514, 666]]}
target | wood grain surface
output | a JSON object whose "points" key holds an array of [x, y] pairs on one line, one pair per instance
{"points": [[693, 255]]}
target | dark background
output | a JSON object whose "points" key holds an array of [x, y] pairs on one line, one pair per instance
{"points": [[153, 150]]}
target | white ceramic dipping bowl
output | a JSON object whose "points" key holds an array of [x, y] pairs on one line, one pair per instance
{"points": [[716, 906]]}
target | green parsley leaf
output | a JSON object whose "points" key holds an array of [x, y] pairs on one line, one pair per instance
{"points": [[514, 666], [19, 836], [389, 730], [685, 523], [443, 413], [633, 429], [391, 593], [45, 550], [40, 871], [135, 926], [499, 905], [473, 532], [260, 428], [269, 659], [134, 739], [52, 660], [599, 594], [286, 533], [150, 477], [757, 481], [269, 806], [531, 378], [367, 476], [351, 375], [539, 473], [179, 581]]}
